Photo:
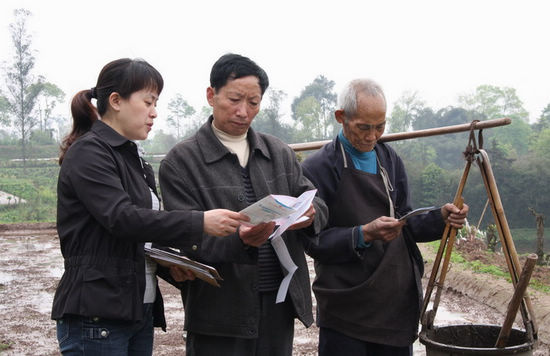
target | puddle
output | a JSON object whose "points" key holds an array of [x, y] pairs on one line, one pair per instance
{"points": [[42, 302], [442, 317], [5, 278]]}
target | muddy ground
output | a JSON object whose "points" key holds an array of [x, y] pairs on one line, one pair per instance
{"points": [[31, 265]]}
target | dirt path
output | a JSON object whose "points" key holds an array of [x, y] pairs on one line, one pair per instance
{"points": [[31, 265]]}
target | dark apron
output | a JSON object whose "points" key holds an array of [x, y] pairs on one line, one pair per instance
{"points": [[375, 297]]}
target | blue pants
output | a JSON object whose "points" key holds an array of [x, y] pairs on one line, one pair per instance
{"points": [[79, 335], [332, 342]]}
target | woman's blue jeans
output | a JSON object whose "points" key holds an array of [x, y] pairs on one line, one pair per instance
{"points": [[95, 336]]}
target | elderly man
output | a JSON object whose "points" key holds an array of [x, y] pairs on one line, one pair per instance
{"points": [[226, 164], [368, 267]]}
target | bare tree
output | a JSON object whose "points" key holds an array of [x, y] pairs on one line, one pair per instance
{"points": [[540, 234], [22, 87]]}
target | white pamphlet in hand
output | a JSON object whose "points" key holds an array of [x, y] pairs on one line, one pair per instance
{"points": [[419, 211], [270, 208], [278, 208], [285, 211], [300, 206]]}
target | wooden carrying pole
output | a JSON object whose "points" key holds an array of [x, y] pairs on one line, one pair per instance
{"points": [[447, 241], [508, 247], [450, 242], [307, 146]]}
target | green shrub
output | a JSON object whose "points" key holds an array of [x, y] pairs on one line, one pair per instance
{"points": [[5, 345], [37, 185], [10, 152], [23, 189]]}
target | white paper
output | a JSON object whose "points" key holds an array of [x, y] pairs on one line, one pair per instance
{"points": [[270, 208], [286, 261], [418, 212], [300, 205]]}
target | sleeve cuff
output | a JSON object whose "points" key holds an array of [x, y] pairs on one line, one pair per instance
{"points": [[361, 239]]}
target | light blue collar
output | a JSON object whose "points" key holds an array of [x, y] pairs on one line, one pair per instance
{"points": [[364, 161]]}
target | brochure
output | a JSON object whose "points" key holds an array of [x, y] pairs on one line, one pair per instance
{"points": [[418, 212], [277, 208], [285, 211], [300, 206]]}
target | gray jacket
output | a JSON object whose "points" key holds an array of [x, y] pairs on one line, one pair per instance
{"points": [[201, 174]]}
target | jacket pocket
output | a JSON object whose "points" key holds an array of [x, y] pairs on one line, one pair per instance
{"points": [[109, 294]]}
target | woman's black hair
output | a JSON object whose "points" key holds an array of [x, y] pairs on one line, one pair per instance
{"points": [[123, 76]]}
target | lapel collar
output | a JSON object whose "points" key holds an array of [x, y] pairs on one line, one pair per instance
{"points": [[113, 138]]}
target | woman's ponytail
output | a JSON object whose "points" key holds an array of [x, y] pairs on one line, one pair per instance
{"points": [[84, 114]]}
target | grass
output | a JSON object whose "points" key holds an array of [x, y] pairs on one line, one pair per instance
{"points": [[4, 345], [37, 185], [480, 267], [536, 285]]}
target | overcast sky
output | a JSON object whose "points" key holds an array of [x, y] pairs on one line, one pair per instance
{"points": [[439, 48]]}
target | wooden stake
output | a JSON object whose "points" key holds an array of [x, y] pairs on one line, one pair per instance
{"points": [[514, 304]]}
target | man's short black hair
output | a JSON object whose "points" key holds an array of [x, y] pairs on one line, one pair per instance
{"points": [[233, 66]]}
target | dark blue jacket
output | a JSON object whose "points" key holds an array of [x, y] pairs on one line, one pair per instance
{"points": [[338, 244]]}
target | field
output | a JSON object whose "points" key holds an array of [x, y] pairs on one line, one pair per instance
{"points": [[31, 264]]}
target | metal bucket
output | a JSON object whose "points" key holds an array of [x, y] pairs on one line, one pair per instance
{"points": [[461, 340]]}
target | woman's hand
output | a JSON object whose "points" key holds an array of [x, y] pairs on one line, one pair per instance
{"points": [[180, 274]]}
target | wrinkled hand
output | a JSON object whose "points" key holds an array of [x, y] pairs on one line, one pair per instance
{"points": [[309, 214], [256, 235], [384, 228], [222, 222], [180, 274], [453, 215]]}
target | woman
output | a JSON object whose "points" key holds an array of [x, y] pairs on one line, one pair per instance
{"points": [[107, 300]]}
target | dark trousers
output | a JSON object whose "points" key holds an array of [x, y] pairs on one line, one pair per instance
{"points": [[275, 334], [333, 343]]}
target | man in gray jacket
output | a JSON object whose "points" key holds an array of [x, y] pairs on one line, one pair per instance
{"points": [[226, 164]]}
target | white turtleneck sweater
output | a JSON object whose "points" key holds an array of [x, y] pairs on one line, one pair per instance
{"points": [[235, 144]]}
